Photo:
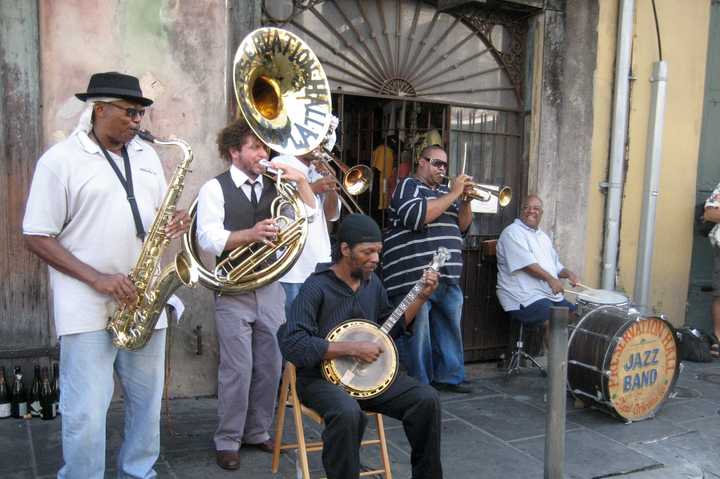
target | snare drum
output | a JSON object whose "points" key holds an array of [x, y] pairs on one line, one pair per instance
{"points": [[593, 298], [623, 361]]}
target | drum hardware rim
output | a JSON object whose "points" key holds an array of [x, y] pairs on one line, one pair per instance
{"points": [[594, 398], [603, 372], [593, 333]]}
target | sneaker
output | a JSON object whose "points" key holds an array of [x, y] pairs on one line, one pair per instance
{"points": [[452, 388]]}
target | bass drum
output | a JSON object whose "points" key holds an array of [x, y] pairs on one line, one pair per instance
{"points": [[623, 361]]}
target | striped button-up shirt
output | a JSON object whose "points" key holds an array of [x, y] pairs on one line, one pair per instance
{"points": [[410, 244]]}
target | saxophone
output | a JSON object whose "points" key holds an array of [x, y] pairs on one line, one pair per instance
{"points": [[132, 325]]}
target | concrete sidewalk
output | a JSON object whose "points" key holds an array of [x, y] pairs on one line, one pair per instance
{"points": [[497, 432]]}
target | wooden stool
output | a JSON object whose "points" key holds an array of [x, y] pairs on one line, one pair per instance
{"points": [[289, 398]]}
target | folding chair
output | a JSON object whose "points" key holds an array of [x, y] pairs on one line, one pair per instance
{"points": [[289, 399]]}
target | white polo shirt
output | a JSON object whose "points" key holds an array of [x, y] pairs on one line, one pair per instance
{"points": [[317, 245], [520, 246], [76, 197]]}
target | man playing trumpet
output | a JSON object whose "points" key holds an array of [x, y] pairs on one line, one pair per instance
{"points": [[317, 245], [234, 210], [425, 215]]}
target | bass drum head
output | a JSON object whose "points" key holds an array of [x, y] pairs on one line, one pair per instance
{"points": [[643, 368], [623, 361], [362, 380]]}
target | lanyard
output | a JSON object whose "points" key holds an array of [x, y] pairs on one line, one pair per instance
{"points": [[127, 184]]}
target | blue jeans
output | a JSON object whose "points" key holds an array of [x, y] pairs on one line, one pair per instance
{"points": [[535, 314], [434, 351], [291, 291], [87, 362]]}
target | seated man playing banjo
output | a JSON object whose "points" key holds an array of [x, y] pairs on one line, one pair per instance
{"points": [[347, 289]]}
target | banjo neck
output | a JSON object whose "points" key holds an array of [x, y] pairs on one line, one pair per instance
{"points": [[402, 307], [438, 261]]}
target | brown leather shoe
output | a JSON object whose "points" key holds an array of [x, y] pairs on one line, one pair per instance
{"points": [[266, 446], [229, 460]]}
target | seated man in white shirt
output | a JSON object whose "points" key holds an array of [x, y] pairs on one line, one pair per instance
{"points": [[529, 270]]}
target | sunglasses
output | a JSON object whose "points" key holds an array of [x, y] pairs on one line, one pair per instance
{"points": [[129, 111], [437, 163]]}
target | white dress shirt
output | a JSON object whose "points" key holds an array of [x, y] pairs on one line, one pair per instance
{"points": [[211, 233], [317, 245], [520, 246]]}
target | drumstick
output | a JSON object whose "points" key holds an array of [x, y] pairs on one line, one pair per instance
{"points": [[584, 286]]}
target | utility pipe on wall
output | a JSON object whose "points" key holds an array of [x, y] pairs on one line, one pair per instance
{"points": [[617, 145], [653, 157]]}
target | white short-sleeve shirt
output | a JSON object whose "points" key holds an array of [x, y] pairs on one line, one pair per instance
{"points": [[520, 246], [76, 197], [317, 244]]}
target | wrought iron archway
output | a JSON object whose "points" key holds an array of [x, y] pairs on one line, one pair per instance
{"points": [[407, 48]]}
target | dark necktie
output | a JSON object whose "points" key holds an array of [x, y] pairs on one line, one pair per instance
{"points": [[253, 196]]}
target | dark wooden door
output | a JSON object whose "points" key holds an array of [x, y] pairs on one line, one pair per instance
{"points": [[485, 326], [25, 331]]}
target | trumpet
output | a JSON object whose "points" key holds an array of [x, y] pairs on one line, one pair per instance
{"points": [[355, 180], [484, 192]]}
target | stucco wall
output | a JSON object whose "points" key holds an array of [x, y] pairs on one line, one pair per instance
{"points": [[562, 122], [179, 51], [684, 34]]}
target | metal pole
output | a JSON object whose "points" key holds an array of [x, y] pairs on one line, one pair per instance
{"points": [[653, 158], [617, 145], [557, 379]]}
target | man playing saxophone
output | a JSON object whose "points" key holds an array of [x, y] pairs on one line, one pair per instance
{"points": [[93, 197], [234, 209]]}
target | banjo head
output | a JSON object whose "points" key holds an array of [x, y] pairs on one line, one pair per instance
{"points": [[362, 380]]}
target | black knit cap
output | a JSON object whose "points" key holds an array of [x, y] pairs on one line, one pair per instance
{"points": [[357, 228]]}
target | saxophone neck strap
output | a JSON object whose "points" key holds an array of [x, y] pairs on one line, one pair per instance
{"points": [[126, 183]]}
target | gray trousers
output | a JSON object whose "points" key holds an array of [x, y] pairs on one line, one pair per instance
{"points": [[250, 362]]}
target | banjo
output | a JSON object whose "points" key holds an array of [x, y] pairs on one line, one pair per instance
{"points": [[366, 380]]}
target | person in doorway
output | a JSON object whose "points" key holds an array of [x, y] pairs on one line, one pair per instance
{"points": [[234, 210], [712, 214], [426, 214], [529, 269], [92, 198], [348, 288]]}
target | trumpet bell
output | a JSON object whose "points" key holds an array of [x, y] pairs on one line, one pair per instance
{"points": [[504, 196], [357, 179], [282, 91]]}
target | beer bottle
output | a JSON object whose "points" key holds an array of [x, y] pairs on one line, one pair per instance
{"points": [[18, 404], [47, 401], [56, 387], [4, 396], [34, 397]]}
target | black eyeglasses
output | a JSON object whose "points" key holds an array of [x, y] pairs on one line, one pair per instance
{"points": [[437, 163], [129, 111]]}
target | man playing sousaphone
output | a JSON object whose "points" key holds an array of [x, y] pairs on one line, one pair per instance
{"points": [[348, 288], [234, 209]]}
